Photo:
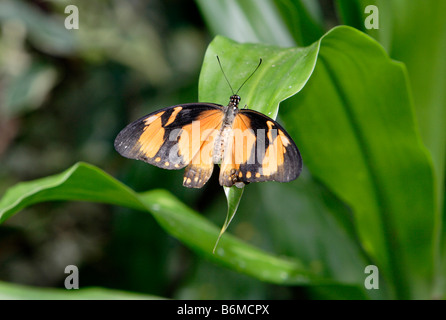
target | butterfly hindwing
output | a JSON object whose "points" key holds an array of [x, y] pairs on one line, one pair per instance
{"points": [[200, 169], [171, 137], [261, 150]]}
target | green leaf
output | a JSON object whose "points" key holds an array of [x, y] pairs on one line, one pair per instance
{"points": [[233, 197], [10, 291], [401, 22], [83, 182], [80, 182], [359, 137], [288, 68], [422, 20], [425, 21]]}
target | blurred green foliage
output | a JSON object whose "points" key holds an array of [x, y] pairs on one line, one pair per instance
{"points": [[126, 59], [371, 134]]}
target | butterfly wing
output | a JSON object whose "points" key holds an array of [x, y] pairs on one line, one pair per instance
{"points": [[260, 150], [171, 138]]}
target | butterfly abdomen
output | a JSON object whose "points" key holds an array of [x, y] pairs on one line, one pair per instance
{"points": [[221, 142]]}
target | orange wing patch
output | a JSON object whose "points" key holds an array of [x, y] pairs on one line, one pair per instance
{"points": [[285, 141], [152, 138], [273, 156], [193, 137], [244, 139]]}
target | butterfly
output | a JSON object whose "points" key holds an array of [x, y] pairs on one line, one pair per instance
{"points": [[248, 145]]}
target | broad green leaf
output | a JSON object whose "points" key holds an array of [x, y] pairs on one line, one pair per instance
{"points": [[422, 20], [84, 182], [10, 291], [359, 137], [288, 68], [426, 65], [400, 22], [80, 182]]}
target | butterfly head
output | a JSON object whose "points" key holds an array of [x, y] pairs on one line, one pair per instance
{"points": [[234, 100]]}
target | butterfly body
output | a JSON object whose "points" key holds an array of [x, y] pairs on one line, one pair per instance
{"points": [[230, 112]]}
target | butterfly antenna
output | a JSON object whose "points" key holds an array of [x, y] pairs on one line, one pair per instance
{"points": [[225, 75], [260, 62]]}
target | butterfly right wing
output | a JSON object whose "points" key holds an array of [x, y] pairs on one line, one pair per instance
{"points": [[170, 138], [259, 150]]}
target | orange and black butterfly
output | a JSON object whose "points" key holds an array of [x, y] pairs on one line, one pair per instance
{"points": [[249, 146]]}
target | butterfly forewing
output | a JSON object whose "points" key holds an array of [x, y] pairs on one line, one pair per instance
{"points": [[170, 138]]}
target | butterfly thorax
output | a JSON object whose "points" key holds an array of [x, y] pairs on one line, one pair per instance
{"points": [[222, 139]]}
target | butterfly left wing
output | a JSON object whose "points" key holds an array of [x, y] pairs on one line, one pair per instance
{"points": [[171, 138], [259, 150]]}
